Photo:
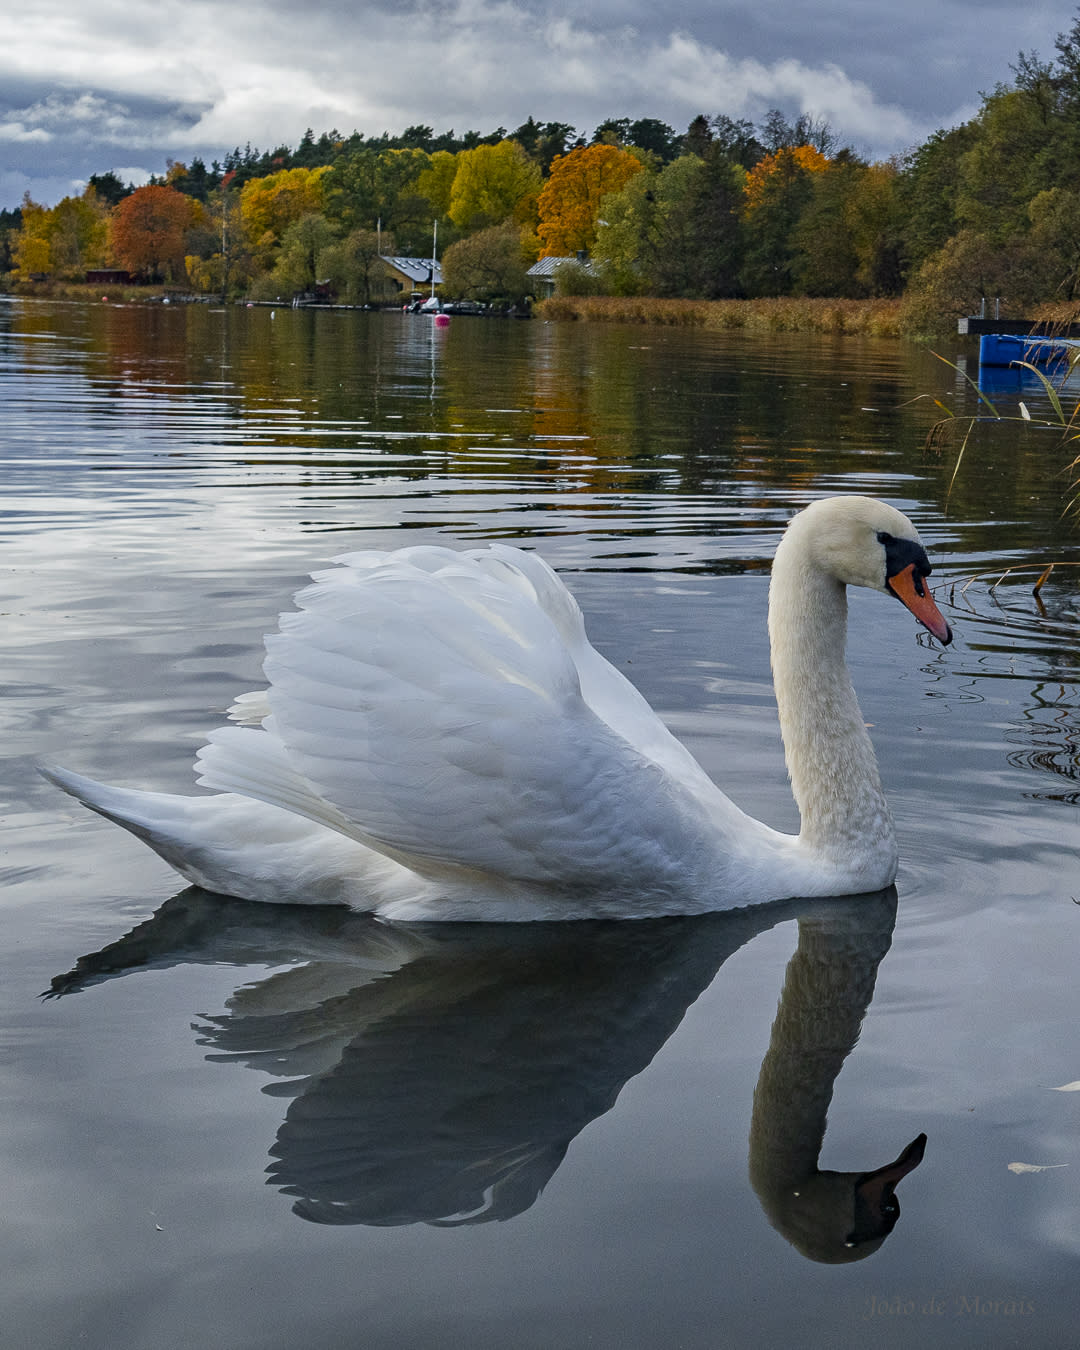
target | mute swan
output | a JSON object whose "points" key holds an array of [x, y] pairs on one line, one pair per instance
{"points": [[440, 741]]}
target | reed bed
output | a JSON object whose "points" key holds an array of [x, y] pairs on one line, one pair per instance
{"points": [[868, 318]]}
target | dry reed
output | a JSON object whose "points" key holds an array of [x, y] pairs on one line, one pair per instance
{"points": [[870, 318]]}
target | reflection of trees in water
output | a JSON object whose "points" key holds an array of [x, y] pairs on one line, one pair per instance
{"points": [[584, 409], [439, 1073], [587, 409]]}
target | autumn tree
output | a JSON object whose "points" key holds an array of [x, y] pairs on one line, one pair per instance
{"points": [[30, 250], [488, 265], [147, 232], [435, 183], [63, 240], [782, 163], [492, 184], [569, 205], [217, 260], [269, 205], [78, 235]]}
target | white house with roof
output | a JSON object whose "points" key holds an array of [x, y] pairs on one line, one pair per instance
{"points": [[543, 272]]}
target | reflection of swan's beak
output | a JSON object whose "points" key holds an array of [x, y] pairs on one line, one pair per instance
{"points": [[876, 1206], [909, 587]]}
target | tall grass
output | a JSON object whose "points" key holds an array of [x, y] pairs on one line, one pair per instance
{"points": [[951, 429], [871, 318]]}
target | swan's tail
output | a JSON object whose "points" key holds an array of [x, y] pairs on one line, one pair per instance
{"points": [[156, 817], [185, 831], [233, 845]]}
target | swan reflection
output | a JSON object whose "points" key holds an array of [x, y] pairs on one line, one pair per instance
{"points": [[438, 1073]]}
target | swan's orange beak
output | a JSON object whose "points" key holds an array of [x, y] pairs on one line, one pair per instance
{"points": [[909, 588]]}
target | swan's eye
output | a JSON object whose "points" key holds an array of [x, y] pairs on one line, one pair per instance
{"points": [[901, 554]]}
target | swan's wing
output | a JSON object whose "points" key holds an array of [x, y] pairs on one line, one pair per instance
{"points": [[436, 705], [606, 690]]}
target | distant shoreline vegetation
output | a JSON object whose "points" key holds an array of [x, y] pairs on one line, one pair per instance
{"points": [[865, 318], [729, 224]]}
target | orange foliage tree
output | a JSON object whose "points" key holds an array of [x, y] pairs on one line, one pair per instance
{"points": [[569, 204], [147, 231], [783, 161]]}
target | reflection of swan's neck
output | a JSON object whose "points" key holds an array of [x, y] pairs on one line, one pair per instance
{"points": [[830, 758], [828, 987]]}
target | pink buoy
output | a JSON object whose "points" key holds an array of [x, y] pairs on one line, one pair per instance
{"points": [[442, 320]]}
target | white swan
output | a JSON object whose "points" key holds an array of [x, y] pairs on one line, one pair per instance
{"points": [[440, 741]]}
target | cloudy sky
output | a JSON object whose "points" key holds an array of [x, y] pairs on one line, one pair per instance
{"points": [[92, 85]]}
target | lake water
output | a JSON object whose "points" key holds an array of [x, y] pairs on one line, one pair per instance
{"points": [[241, 1126]]}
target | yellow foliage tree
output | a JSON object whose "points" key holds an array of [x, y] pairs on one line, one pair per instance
{"points": [[79, 234], [436, 182], [63, 240], [786, 159], [30, 248], [494, 183], [268, 206], [569, 205]]}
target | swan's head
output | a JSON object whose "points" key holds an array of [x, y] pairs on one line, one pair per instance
{"points": [[864, 542], [840, 1217]]}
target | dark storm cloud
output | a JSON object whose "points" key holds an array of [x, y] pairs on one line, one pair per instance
{"points": [[89, 85]]}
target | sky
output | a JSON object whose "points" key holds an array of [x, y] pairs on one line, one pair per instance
{"points": [[88, 86]]}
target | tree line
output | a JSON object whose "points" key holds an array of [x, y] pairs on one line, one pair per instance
{"points": [[725, 209]]}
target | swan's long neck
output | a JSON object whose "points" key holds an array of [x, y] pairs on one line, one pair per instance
{"points": [[830, 758]]}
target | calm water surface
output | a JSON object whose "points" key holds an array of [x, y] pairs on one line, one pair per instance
{"points": [[236, 1126]]}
